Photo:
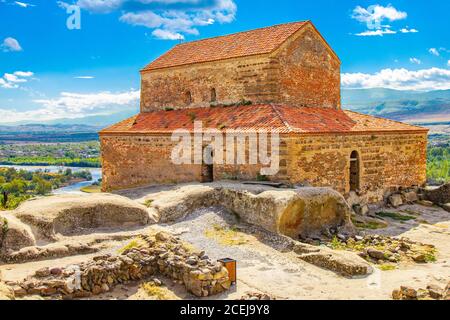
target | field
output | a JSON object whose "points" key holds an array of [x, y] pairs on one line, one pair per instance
{"points": [[82, 154]]}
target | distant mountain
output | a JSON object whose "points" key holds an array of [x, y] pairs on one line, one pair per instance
{"points": [[44, 133], [35, 128], [411, 106], [98, 121]]}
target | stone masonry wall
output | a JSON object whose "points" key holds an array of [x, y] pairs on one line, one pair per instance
{"points": [[386, 161], [135, 160], [310, 73], [251, 79], [302, 72]]}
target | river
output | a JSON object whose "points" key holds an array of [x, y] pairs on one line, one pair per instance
{"points": [[72, 189]]}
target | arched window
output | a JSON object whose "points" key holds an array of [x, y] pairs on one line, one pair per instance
{"points": [[213, 95], [354, 171], [188, 97]]}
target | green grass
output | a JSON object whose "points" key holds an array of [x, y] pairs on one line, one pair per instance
{"points": [[92, 189], [387, 267], [148, 203], [371, 225], [395, 216], [430, 256], [51, 161]]}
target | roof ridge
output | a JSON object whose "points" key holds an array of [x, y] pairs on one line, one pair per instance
{"points": [[386, 119], [125, 121], [241, 32], [227, 46], [285, 122]]}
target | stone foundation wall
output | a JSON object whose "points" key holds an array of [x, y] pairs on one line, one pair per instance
{"points": [[386, 161], [162, 254]]}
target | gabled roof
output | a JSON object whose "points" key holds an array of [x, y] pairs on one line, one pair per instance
{"points": [[280, 118], [254, 42]]}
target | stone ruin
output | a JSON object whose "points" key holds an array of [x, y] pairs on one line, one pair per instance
{"points": [[162, 254]]}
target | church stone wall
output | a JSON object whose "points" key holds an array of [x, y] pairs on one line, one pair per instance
{"points": [[302, 72], [386, 161]]}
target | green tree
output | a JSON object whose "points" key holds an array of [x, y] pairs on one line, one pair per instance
{"points": [[16, 187], [43, 187]]}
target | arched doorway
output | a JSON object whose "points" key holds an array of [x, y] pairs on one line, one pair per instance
{"points": [[207, 166], [354, 171], [213, 95]]}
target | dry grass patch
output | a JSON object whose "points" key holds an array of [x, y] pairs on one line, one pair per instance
{"points": [[135, 243], [226, 236], [157, 292]]}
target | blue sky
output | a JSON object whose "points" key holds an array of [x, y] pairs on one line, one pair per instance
{"points": [[49, 72]]}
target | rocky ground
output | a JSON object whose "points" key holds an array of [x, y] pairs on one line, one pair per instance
{"points": [[272, 266]]}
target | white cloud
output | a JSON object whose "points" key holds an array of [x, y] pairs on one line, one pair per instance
{"points": [[74, 106], [12, 80], [434, 52], [448, 63], [415, 61], [374, 15], [399, 79], [374, 18], [24, 4], [84, 77], [372, 33], [100, 6], [167, 35], [10, 44], [406, 30], [170, 19]]}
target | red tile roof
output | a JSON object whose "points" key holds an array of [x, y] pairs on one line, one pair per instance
{"points": [[259, 41], [281, 118]]}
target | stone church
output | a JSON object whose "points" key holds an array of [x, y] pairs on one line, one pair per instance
{"points": [[284, 78]]}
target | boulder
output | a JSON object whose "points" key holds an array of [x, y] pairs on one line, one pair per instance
{"points": [[176, 204], [6, 292], [439, 195], [376, 254], [342, 262], [435, 291], [425, 203], [304, 212], [446, 293], [408, 292], [410, 197], [14, 235], [395, 200], [446, 207], [361, 210], [72, 214]]}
